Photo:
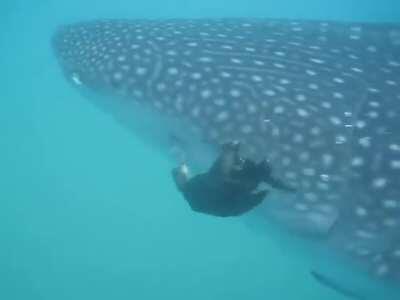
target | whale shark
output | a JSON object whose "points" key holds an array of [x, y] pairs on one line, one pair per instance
{"points": [[319, 99]]}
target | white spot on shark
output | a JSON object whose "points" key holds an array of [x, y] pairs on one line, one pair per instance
{"points": [[311, 72], [395, 164], [141, 71], [235, 93], [317, 60], [379, 182], [279, 109], [361, 211], [357, 161], [303, 113], [390, 204], [256, 78], [365, 141], [222, 116]]}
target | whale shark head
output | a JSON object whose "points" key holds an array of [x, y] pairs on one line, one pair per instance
{"points": [[119, 64], [319, 100]]}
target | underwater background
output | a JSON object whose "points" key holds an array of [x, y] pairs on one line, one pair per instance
{"points": [[89, 211]]}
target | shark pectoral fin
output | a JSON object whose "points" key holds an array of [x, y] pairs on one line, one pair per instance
{"points": [[335, 285]]}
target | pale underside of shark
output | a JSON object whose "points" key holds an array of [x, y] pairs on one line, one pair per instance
{"points": [[320, 100]]}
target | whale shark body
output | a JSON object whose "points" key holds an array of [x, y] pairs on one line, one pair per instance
{"points": [[319, 100]]}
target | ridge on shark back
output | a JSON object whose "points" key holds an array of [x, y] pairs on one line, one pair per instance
{"points": [[321, 100]]}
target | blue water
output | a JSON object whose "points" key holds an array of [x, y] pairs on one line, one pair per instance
{"points": [[88, 211]]}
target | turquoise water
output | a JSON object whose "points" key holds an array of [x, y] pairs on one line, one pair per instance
{"points": [[79, 216]]}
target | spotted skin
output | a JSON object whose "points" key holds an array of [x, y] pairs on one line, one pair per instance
{"points": [[321, 100]]}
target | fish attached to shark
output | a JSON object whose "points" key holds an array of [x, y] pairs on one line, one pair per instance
{"points": [[319, 100]]}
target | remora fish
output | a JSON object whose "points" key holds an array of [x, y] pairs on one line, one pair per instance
{"points": [[321, 100]]}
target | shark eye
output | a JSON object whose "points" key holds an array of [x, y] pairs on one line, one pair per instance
{"points": [[76, 78]]}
